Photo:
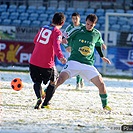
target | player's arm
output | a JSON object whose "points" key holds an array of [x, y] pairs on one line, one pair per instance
{"points": [[99, 50], [104, 46], [57, 48], [37, 35], [98, 47]]}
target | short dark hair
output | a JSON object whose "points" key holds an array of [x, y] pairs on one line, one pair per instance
{"points": [[92, 17], [58, 18], [76, 14]]}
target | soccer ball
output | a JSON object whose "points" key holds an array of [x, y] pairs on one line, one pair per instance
{"points": [[17, 84]]}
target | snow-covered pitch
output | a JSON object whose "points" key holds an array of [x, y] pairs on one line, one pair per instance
{"points": [[73, 111]]}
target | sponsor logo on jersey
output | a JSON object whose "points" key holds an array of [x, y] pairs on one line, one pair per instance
{"points": [[86, 42], [85, 50], [83, 41]]}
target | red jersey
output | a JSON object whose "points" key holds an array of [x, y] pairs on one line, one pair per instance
{"points": [[47, 45]]}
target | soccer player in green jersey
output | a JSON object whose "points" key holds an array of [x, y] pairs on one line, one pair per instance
{"points": [[75, 24], [81, 60]]}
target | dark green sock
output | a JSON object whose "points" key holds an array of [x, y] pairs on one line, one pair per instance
{"points": [[104, 99], [78, 79]]}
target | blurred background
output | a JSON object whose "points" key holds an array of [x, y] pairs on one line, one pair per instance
{"points": [[20, 20]]}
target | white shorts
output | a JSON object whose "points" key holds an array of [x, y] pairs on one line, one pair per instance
{"points": [[74, 68]]}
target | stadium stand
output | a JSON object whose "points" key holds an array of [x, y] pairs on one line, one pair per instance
{"points": [[44, 12], [41, 9], [50, 10], [14, 15], [3, 8], [122, 21], [44, 23], [4, 15], [115, 27], [43, 17], [62, 3], [109, 10], [23, 16], [106, 4], [31, 9], [129, 11], [80, 4], [35, 23], [53, 3], [80, 10], [125, 28], [119, 11], [101, 20], [16, 22], [12, 8], [33, 16], [26, 23], [97, 26], [102, 27], [61, 9], [83, 17], [6, 22], [21, 8], [112, 20], [100, 12], [89, 10]]}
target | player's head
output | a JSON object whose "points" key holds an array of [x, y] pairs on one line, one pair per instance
{"points": [[58, 19], [91, 21], [76, 18]]}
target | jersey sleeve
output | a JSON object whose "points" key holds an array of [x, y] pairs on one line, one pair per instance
{"points": [[56, 43], [35, 38], [65, 35], [100, 40], [72, 33]]}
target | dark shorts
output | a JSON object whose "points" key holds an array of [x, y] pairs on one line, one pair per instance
{"points": [[39, 75]]}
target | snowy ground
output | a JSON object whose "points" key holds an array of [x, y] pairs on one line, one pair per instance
{"points": [[73, 111]]}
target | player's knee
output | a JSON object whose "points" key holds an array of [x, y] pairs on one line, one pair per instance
{"points": [[62, 79], [102, 85], [37, 85]]}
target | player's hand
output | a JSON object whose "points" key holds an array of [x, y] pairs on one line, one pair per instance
{"points": [[104, 46], [106, 60], [64, 41], [63, 60], [68, 49]]}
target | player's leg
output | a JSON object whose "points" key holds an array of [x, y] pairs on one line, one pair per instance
{"points": [[62, 78], [98, 81], [82, 83], [90, 73], [37, 88], [37, 80], [78, 80], [67, 72], [50, 88]]}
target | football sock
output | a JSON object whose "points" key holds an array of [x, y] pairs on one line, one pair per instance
{"points": [[37, 87], [78, 79], [49, 93], [103, 99]]}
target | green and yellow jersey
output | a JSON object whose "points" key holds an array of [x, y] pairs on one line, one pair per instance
{"points": [[83, 44]]}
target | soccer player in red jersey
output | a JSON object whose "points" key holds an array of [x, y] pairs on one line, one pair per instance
{"points": [[42, 65]]}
